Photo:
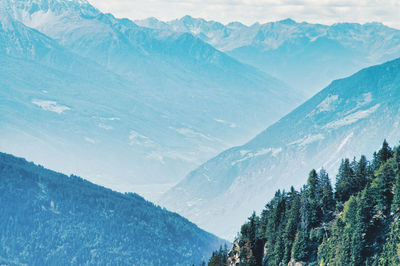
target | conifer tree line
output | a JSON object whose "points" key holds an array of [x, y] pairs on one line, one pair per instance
{"points": [[356, 223], [47, 218]]}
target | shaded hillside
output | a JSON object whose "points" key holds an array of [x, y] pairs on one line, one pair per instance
{"points": [[49, 218]]}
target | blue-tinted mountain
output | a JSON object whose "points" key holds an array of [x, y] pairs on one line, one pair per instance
{"points": [[83, 86], [306, 56], [52, 219], [348, 118]]}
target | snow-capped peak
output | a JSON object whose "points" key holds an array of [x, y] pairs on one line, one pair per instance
{"points": [[55, 6]]}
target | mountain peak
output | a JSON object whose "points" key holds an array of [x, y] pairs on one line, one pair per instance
{"points": [[236, 24], [191, 20], [56, 6], [49, 2], [287, 21], [375, 24], [187, 17]]}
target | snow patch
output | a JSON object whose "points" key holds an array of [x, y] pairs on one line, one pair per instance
{"points": [[307, 140], [352, 118], [191, 133], [53, 208], [366, 99], [137, 139], [112, 119], [207, 177], [334, 157], [37, 18], [326, 105], [231, 125], [90, 140], [51, 106], [344, 142], [244, 152], [104, 126], [156, 156], [274, 152]]}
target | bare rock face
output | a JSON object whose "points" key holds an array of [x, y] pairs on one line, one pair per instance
{"points": [[234, 255], [240, 252], [296, 263]]}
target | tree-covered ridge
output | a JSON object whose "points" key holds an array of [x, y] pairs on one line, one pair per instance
{"points": [[47, 218], [357, 223]]}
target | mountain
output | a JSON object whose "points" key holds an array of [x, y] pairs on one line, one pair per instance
{"points": [[358, 224], [306, 56], [59, 104], [83, 86], [347, 118], [50, 218]]}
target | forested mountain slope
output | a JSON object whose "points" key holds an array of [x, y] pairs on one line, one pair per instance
{"points": [[48, 218], [358, 223]]}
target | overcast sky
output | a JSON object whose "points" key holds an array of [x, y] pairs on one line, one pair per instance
{"points": [[251, 11]]}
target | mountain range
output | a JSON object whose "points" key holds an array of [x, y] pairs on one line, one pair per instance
{"points": [[304, 55], [347, 118], [83, 87], [136, 105]]}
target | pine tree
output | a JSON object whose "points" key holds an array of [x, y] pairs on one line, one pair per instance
{"points": [[253, 223], [313, 198], [291, 224], [219, 258], [385, 153], [396, 155], [357, 244], [367, 206], [327, 201], [391, 250], [279, 250], [304, 212], [349, 249], [375, 162], [344, 187], [383, 185], [396, 195], [361, 173], [300, 247]]}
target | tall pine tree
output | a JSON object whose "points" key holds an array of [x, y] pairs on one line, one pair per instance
{"points": [[344, 179]]}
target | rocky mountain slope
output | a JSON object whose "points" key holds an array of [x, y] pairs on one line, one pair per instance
{"points": [[348, 118]]}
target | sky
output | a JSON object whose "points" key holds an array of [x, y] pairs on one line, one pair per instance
{"points": [[251, 11]]}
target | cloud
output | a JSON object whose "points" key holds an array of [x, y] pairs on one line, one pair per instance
{"points": [[251, 11]]}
